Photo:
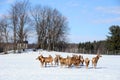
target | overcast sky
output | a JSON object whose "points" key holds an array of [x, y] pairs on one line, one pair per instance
{"points": [[89, 20]]}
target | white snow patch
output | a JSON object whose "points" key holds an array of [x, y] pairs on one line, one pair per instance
{"points": [[24, 66]]}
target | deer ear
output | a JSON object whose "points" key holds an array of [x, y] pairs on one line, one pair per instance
{"points": [[99, 55]]}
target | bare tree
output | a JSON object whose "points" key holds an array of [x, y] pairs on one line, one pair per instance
{"points": [[14, 23], [19, 19], [4, 30], [50, 26], [59, 29], [1, 33], [39, 19]]}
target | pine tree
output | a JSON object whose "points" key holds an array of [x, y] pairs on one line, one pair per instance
{"points": [[113, 40]]}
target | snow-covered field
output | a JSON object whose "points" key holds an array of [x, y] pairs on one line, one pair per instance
{"points": [[24, 66]]}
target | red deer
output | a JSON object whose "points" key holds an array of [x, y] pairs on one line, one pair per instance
{"points": [[45, 60], [40, 58], [63, 61], [82, 60], [87, 61], [56, 59], [95, 60], [75, 60]]}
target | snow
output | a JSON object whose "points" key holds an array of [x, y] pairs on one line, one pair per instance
{"points": [[24, 66]]}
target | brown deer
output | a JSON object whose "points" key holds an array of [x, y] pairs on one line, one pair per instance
{"points": [[56, 59], [74, 60], [87, 61], [63, 61], [82, 60], [45, 60], [40, 58], [95, 60]]}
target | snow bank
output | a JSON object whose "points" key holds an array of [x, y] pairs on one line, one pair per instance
{"points": [[24, 66]]}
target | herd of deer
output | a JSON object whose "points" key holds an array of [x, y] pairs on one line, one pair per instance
{"points": [[75, 60]]}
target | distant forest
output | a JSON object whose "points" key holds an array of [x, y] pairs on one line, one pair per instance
{"points": [[109, 46]]}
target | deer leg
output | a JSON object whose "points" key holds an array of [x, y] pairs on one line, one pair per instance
{"points": [[95, 65]]}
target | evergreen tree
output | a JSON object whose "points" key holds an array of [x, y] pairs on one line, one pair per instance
{"points": [[113, 40]]}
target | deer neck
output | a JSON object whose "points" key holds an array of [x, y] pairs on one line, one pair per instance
{"points": [[97, 58]]}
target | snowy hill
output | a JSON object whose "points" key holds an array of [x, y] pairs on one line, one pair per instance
{"points": [[25, 67]]}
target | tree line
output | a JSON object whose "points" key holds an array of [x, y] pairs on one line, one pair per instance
{"points": [[109, 46], [48, 23]]}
